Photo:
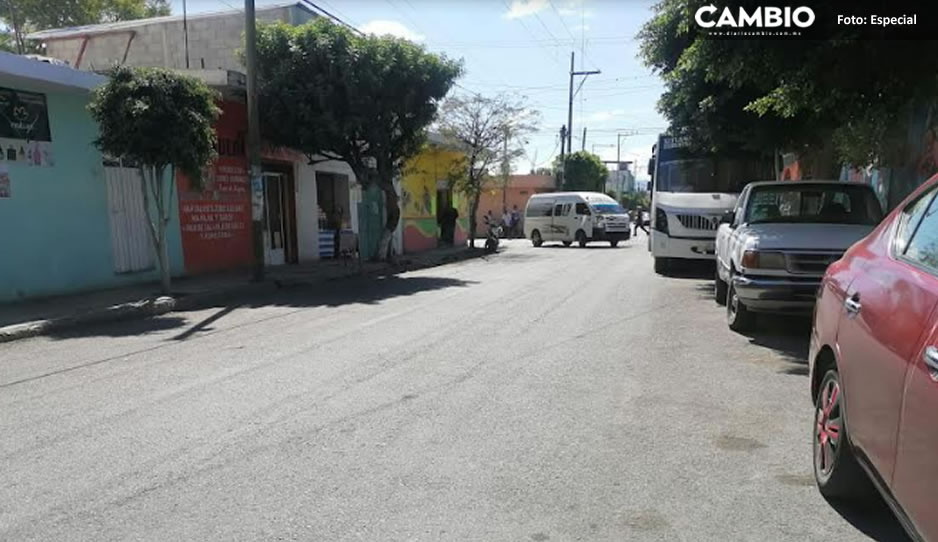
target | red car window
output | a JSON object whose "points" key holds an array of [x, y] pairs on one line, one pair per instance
{"points": [[923, 247]]}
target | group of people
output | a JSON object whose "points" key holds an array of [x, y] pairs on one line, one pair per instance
{"points": [[510, 222]]}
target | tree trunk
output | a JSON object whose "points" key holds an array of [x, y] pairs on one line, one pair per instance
{"points": [[151, 179], [386, 245], [473, 209]]}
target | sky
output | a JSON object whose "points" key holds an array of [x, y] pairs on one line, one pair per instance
{"points": [[522, 47]]}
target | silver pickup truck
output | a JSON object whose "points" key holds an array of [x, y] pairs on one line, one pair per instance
{"points": [[773, 248]]}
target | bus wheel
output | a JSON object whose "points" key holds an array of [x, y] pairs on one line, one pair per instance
{"points": [[536, 238], [662, 265], [581, 238]]}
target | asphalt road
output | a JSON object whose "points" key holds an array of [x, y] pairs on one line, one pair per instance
{"points": [[541, 394]]}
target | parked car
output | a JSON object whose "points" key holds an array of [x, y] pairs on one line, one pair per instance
{"points": [[575, 216], [873, 362], [773, 248]]}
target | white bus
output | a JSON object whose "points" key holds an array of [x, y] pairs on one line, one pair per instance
{"points": [[690, 193], [579, 217]]}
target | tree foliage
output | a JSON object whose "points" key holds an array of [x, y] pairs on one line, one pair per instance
{"points": [[584, 171], [158, 120], [480, 127], [786, 94], [25, 16], [365, 100]]}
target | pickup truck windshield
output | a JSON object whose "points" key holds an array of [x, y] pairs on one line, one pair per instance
{"points": [[827, 204], [608, 208]]}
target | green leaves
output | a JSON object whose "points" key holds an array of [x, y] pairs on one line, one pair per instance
{"points": [[584, 171], [763, 95], [156, 117], [329, 92]]}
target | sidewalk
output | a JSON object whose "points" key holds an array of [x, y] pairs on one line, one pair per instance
{"points": [[42, 316]]}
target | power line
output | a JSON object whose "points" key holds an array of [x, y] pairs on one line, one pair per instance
{"points": [[528, 30], [331, 16]]}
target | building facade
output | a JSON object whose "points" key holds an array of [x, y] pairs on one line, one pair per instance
{"points": [[72, 220], [425, 193], [304, 205], [497, 198]]}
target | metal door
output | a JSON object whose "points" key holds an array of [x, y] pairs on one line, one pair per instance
{"points": [[131, 243]]}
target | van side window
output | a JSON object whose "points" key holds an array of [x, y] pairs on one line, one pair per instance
{"points": [[566, 209], [582, 209], [558, 209], [539, 208]]}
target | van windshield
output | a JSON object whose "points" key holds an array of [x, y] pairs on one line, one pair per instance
{"points": [[608, 208]]}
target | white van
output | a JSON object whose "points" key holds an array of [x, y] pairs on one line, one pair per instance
{"points": [[575, 216]]}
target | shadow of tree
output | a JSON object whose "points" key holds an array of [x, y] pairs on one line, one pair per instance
{"points": [[359, 290]]}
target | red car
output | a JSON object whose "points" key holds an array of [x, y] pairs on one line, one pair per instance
{"points": [[874, 366]]}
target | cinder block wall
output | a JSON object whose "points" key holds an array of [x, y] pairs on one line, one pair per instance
{"points": [[214, 42]]}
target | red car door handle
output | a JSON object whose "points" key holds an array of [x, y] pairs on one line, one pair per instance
{"points": [[852, 305]]}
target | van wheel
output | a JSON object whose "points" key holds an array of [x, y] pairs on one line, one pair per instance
{"points": [[614, 244], [567, 243], [536, 238], [662, 265], [738, 317], [836, 470], [581, 238]]}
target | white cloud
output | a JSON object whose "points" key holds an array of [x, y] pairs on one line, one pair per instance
{"points": [[524, 8], [580, 27], [602, 116], [393, 28]]}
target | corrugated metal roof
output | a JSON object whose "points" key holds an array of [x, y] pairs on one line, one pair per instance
{"points": [[104, 28]]}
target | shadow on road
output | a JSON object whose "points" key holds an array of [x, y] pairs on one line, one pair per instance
{"points": [[787, 335], [327, 294], [692, 269], [598, 245], [874, 519]]}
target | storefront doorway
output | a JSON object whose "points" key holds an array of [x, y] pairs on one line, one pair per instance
{"points": [[332, 192], [279, 216]]}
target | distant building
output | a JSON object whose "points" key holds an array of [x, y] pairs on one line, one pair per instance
{"points": [[213, 39], [620, 181], [519, 189]]}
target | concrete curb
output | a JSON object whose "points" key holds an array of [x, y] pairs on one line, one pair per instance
{"points": [[146, 308]]}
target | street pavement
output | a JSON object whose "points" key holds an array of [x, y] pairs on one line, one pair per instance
{"points": [[540, 394]]}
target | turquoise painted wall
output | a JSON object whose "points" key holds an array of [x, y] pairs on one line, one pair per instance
{"points": [[54, 231]]}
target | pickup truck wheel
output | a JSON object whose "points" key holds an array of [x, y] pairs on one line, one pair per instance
{"points": [[719, 288], [662, 265], [836, 470], [738, 317]]}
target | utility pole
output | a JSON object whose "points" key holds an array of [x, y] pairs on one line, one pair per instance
{"points": [[254, 142], [583, 148], [185, 30], [563, 141], [570, 101]]}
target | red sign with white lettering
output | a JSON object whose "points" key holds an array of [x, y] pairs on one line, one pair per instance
{"points": [[216, 221]]}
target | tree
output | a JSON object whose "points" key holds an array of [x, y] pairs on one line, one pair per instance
{"points": [[158, 120], [25, 16], [482, 128], [365, 100], [584, 171], [797, 95]]}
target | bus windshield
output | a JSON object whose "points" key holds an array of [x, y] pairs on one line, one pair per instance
{"points": [[707, 175]]}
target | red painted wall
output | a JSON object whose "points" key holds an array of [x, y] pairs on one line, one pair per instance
{"points": [[216, 221]]}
